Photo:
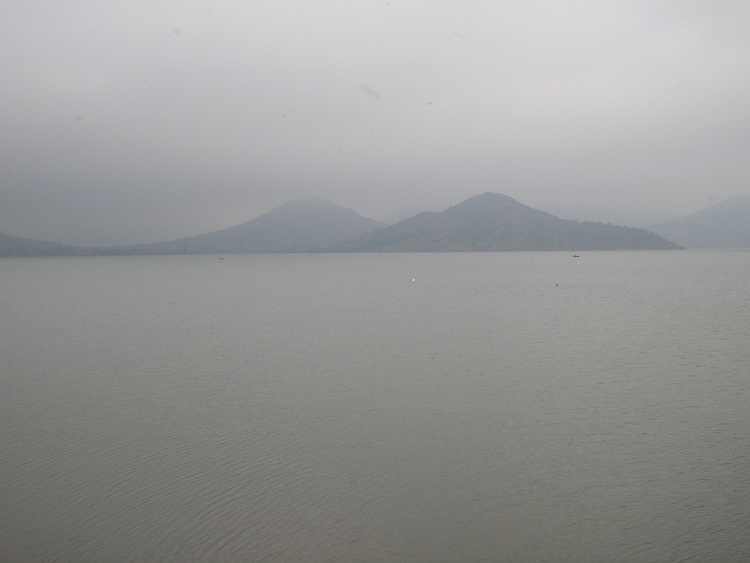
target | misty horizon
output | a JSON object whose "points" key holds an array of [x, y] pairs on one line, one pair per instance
{"points": [[627, 218], [127, 124]]}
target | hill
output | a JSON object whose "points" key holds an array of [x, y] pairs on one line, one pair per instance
{"points": [[17, 246], [724, 225], [599, 214], [297, 226], [487, 222], [496, 222]]}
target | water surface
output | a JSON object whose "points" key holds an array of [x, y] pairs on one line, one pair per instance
{"points": [[395, 407]]}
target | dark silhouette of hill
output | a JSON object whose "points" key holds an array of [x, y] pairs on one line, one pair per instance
{"points": [[17, 246], [305, 225], [496, 222], [724, 225], [297, 226], [487, 222]]}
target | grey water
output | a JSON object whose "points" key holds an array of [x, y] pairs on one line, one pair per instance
{"points": [[382, 407]]}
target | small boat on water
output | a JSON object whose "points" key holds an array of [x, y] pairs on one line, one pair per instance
{"points": [[576, 256]]}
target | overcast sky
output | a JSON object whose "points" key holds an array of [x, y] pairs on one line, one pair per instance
{"points": [[128, 122]]}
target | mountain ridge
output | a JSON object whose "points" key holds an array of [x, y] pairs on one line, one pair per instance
{"points": [[296, 226], [13, 246], [485, 222], [493, 222], [723, 225]]}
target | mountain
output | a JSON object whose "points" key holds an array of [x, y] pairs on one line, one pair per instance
{"points": [[297, 226], [598, 214], [724, 225], [496, 222], [487, 222], [17, 246], [401, 214]]}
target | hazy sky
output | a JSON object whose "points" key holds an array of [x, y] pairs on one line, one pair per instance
{"points": [[127, 122]]}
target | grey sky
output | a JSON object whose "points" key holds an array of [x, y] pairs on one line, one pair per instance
{"points": [[126, 122]]}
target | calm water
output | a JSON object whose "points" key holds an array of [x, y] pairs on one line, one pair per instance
{"points": [[404, 408]]}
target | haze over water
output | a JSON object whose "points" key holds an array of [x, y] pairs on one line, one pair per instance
{"points": [[387, 407]]}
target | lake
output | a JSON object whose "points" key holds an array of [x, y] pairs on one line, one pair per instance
{"points": [[376, 407]]}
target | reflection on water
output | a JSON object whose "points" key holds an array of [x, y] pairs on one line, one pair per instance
{"points": [[329, 408]]}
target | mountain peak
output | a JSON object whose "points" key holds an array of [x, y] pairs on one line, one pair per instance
{"points": [[491, 222], [309, 202], [486, 222], [301, 225]]}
